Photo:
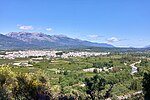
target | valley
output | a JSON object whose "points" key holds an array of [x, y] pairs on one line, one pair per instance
{"points": [[67, 73]]}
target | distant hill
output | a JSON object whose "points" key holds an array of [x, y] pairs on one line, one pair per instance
{"points": [[148, 47], [41, 40]]}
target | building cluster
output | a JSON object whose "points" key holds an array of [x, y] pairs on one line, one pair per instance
{"points": [[28, 53], [83, 54], [42, 53], [98, 69]]}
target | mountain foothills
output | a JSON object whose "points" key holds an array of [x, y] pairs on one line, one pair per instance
{"points": [[27, 40]]}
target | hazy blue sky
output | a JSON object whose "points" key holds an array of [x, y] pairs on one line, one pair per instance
{"points": [[119, 22]]}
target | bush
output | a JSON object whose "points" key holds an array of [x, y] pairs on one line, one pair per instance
{"points": [[22, 85]]}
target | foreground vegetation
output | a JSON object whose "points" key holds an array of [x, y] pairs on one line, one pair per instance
{"points": [[63, 79]]}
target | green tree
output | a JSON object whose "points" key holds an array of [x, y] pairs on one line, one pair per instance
{"points": [[146, 86], [94, 86], [144, 63], [135, 84]]}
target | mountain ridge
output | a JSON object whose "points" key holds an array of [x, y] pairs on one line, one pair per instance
{"points": [[41, 40], [11, 43]]}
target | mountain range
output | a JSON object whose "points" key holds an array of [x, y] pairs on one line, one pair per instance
{"points": [[12, 43], [28, 40]]}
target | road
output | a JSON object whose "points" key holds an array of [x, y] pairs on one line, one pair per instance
{"points": [[128, 95], [134, 68]]}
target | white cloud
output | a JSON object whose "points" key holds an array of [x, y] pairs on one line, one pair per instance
{"points": [[29, 27], [49, 29], [112, 40], [93, 36], [39, 28], [25, 27]]}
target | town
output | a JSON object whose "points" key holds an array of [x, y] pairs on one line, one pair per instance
{"points": [[53, 54]]}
